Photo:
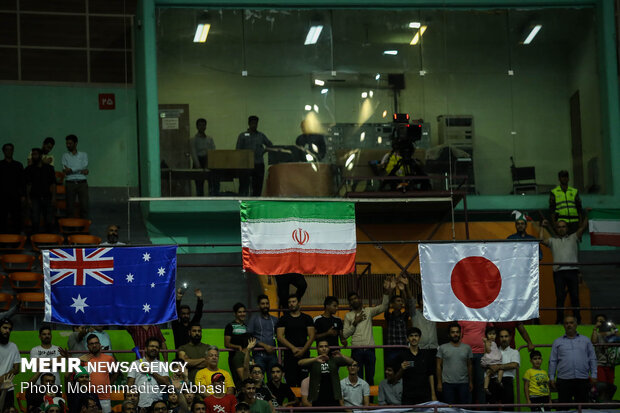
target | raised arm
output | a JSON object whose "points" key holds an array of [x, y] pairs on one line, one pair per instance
{"points": [[525, 336], [199, 305], [582, 228], [381, 307]]}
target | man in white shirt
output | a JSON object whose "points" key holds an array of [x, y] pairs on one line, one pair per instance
{"points": [[46, 349], [355, 391], [504, 392], [200, 144], [75, 167], [565, 249], [149, 383], [358, 326], [9, 359]]}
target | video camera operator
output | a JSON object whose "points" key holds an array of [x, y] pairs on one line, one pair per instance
{"points": [[400, 161]]}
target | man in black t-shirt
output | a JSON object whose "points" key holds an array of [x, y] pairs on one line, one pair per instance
{"points": [[417, 369], [328, 326], [41, 192], [281, 391], [295, 331], [181, 327], [12, 191]]}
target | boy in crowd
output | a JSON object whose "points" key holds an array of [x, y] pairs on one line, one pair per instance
{"points": [[220, 401], [536, 381]]}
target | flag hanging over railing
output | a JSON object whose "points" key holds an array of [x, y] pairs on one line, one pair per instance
{"points": [[110, 285], [604, 227], [495, 281], [298, 237]]}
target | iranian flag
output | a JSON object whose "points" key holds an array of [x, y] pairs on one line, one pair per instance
{"points": [[298, 237], [604, 227]]}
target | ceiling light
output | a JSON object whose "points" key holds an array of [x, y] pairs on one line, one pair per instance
{"points": [[324, 91], [533, 32], [316, 108], [349, 161], [414, 25], [202, 31], [418, 36], [319, 82], [379, 139], [384, 114], [362, 136], [370, 93], [313, 34], [364, 95], [378, 76], [308, 108], [390, 52]]}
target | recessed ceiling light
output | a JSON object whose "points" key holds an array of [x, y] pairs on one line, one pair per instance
{"points": [[418, 36], [390, 52], [313, 34], [202, 31], [533, 32]]}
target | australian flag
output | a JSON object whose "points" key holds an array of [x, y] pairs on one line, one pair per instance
{"points": [[110, 285]]}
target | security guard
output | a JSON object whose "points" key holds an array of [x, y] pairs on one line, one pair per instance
{"points": [[565, 204]]}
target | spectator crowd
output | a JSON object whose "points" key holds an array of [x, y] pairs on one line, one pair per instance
{"points": [[478, 364]]}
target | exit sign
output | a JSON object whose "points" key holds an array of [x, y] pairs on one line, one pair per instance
{"points": [[107, 101]]}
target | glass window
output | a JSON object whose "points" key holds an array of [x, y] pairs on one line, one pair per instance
{"points": [[488, 110]]}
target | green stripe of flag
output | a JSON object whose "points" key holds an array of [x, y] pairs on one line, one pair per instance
{"points": [[311, 211], [604, 214]]}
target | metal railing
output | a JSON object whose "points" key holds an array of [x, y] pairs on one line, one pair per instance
{"points": [[436, 408]]}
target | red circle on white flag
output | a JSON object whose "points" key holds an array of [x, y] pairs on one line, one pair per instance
{"points": [[476, 281]]}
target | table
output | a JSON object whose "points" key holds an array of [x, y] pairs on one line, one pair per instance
{"points": [[300, 179]]}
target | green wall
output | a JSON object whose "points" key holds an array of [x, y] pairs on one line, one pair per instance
{"points": [[30, 113]]}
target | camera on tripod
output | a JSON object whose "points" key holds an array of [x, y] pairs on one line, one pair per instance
{"points": [[405, 134], [400, 161]]}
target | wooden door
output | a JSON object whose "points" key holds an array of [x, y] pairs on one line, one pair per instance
{"points": [[174, 149]]}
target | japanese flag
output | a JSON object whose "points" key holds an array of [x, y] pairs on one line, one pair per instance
{"points": [[495, 281]]}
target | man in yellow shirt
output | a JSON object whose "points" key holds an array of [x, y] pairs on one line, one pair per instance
{"points": [[203, 377]]}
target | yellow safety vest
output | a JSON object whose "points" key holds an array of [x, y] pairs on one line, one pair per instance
{"points": [[393, 163], [565, 207]]}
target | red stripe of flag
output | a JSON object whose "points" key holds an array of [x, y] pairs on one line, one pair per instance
{"points": [[304, 263]]}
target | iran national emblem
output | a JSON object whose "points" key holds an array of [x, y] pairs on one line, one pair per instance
{"points": [[300, 236]]}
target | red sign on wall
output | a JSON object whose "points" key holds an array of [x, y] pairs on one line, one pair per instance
{"points": [[107, 101]]}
